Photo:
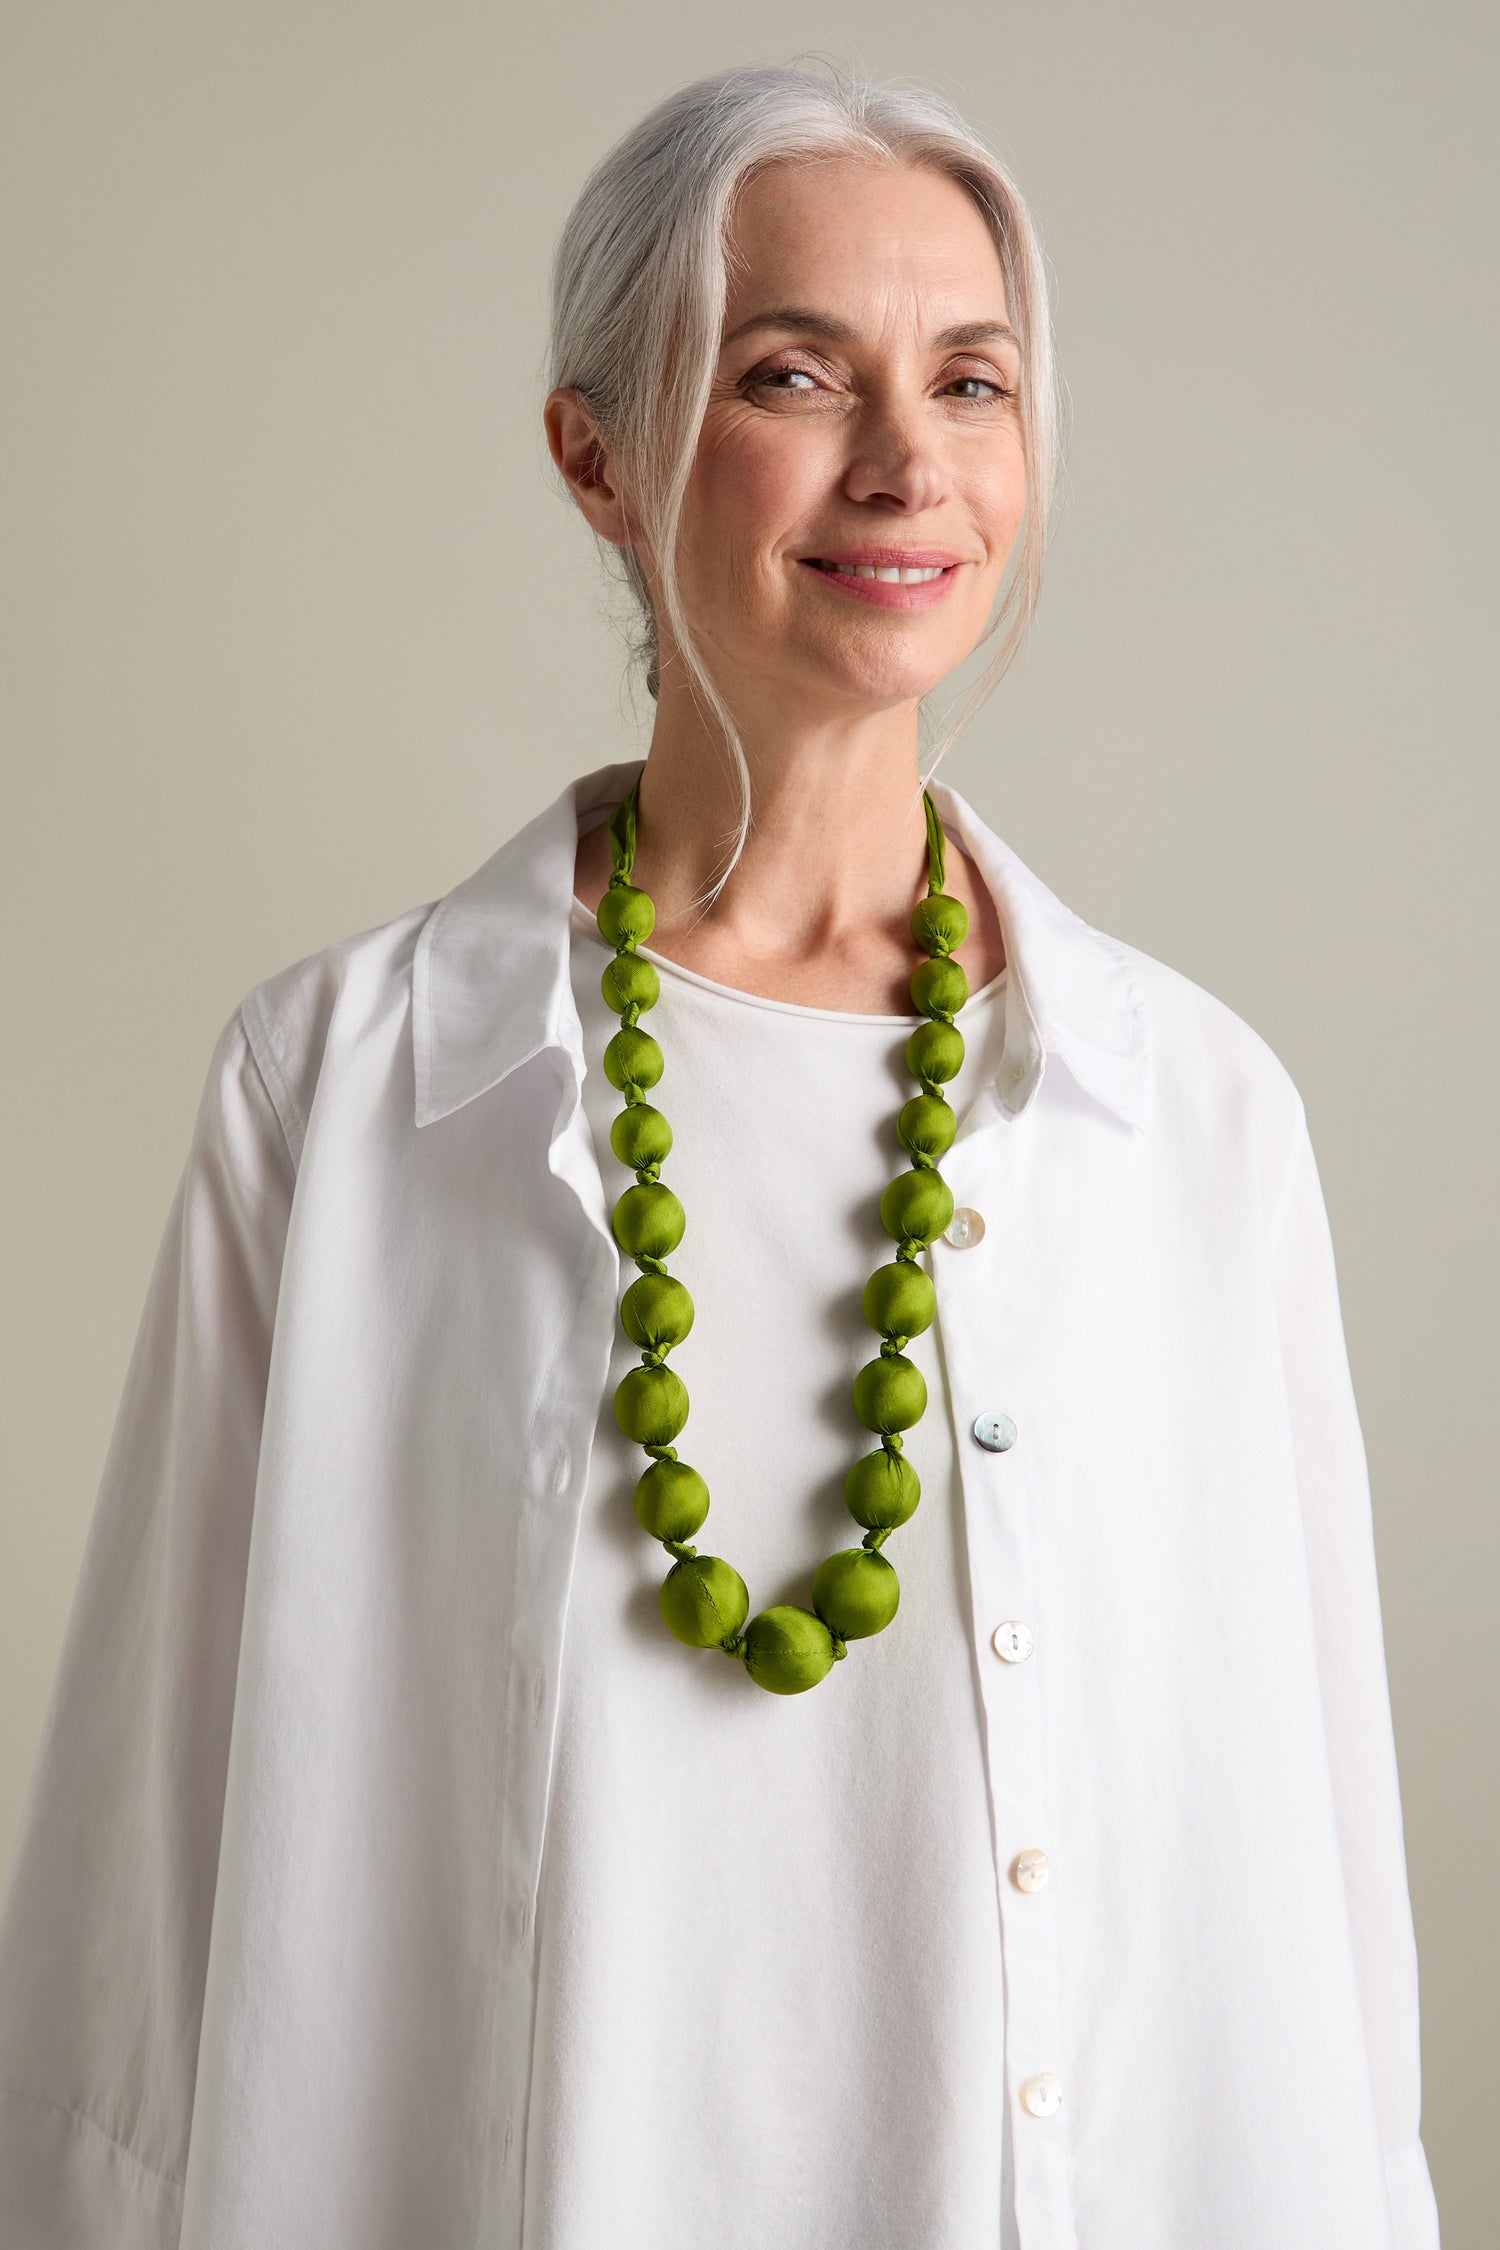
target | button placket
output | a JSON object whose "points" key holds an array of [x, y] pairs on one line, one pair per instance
{"points": [[984, 1343]]}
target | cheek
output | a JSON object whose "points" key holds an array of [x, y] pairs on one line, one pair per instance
{"points": [[751, 486], [999, 489]]}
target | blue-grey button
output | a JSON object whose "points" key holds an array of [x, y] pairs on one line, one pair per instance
{"points": [[995, 1432]]}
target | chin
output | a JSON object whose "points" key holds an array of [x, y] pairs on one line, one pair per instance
{"points": [[882, 683]]}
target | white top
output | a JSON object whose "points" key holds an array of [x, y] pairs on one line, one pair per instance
{"points": [[269, 1960], [786, 1916]]}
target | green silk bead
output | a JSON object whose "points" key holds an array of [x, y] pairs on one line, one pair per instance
{"points": [[939, 988], [882, 1490], [787, 1649], [856, 1593], [649, 1222], [630, 982], [917, 1206], [625, 912], [926, 1125], [704, 1601], [900, 1299], [939, 922], [934, 1050], [656, 1312], [632, 1058], [641, 1135], [651, 1405], [890, 1394], [671, 1500]]}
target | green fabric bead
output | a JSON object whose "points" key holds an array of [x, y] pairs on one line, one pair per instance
{"points": [[671, 1500], [882, 1490], [939, 988], [890, 1394], [632, 1058], [625, 912], [629, 982], [926, 1125], [934, 1050], [656, 1312], [900, 1299], [704, 1601], [940, 922], [641, 1135], [651, 1405], [856, 1593], [917, 1205], [787, 1649], [649, 1222]]}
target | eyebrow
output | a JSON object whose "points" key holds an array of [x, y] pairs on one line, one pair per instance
{"points": [[836, 331]]}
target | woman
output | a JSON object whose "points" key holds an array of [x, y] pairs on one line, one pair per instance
{"points": [[404, 1865]]}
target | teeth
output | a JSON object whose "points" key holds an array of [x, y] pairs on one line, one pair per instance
{"points": [[888, 577]]}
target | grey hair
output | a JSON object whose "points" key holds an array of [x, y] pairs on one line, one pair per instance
{"points": [[640, 286]]}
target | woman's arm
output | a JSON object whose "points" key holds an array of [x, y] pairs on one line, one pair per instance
{"points": [[1334, 1483], [105, 1924]]}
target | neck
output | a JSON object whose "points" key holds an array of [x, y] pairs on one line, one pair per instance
{"points": [[838, 837], [818, 907]]}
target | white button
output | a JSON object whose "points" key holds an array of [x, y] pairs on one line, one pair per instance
{"points": [[1013, 1641], [965, 1228], [1042, 2095], [1030, 1871], [995, 1432]]}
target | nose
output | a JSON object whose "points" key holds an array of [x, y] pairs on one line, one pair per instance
{"points": [[895, 459]]}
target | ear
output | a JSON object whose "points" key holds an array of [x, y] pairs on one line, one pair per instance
{"points": [[581, 454]]}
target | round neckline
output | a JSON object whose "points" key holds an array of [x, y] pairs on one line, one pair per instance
{"points": [[589, 922]]}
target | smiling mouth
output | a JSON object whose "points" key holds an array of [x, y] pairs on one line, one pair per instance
{"points": [[920, 576]]}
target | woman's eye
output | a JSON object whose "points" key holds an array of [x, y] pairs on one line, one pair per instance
{"points": [[984, 383], [767, 378]]}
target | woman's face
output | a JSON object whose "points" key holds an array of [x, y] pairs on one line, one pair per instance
{"points": [[864, 412]]}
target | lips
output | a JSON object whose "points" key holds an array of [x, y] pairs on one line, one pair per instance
{"points": [[892, 573], [885, 558], [891, 577]]}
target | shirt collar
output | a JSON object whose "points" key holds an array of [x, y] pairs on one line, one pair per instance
{"points": [[492, 984]]}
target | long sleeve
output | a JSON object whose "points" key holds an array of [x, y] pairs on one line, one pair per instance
{"points": [[105, 1924], [1335, 1493]]}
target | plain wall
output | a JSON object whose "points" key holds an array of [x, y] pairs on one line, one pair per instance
{"points": [[298, 632]]}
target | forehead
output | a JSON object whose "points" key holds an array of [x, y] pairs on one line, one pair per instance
{"points": [[855, 237]]}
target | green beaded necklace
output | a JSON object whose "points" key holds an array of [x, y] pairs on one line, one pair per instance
{"points": [[704, 1600]]}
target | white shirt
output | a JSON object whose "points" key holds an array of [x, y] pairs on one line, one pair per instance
{"points": [[814, 1894], [269, 1949]]}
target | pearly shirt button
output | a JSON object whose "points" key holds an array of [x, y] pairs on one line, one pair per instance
{"points": [[995, 1432], [1042, 2095], [965, 1228], [1013, 1641], [1030, 1870]]}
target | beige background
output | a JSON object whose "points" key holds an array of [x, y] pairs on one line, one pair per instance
{"points": [[298, 633]]}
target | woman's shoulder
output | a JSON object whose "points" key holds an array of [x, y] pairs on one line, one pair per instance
{"points": [[302, 1019], [1218, 1081], [1193, 1025]]}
